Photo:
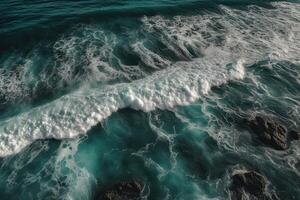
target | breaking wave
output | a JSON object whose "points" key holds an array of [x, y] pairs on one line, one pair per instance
{"points": [[206, 50]]}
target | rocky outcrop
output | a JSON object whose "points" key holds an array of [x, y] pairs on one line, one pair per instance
{"points": [[249, 184], [122, 191], [270, 132]]}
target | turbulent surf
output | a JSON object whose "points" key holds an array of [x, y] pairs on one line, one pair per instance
{"points": [[176, 98]]}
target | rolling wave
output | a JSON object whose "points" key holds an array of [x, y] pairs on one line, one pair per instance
{"points": [[206, 51]]}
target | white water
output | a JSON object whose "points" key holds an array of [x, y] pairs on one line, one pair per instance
{"points": [[241, 38]]}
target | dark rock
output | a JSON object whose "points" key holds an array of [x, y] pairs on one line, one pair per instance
{"points": [[294, 135], [270, 132], [122, 191], [250, 185], [250, 182]]}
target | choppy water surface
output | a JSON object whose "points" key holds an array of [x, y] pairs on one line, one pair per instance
{"points": [[97, 92]]}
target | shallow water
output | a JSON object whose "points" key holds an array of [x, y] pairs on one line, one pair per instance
{"points": [[97, 92]]}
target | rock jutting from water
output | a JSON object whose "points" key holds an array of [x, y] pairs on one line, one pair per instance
{"points": [[270, 132], [250, 184], [122, 191]]}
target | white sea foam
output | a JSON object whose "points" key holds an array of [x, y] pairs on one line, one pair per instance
{"points": [[12, 83], [223, 45], [76, 113], [93, 49]]}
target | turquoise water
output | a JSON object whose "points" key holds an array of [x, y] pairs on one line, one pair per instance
{"points": [[97, 92]]}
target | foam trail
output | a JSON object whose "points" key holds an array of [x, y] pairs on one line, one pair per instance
{"points": [[75, 114], [224, 53]]}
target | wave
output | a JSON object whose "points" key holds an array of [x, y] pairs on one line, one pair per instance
{"points": [[209, 50]]}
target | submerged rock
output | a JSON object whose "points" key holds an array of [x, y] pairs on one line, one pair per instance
{"points": [[270, 132], [122, 191], [250, 184], [294, 135]]}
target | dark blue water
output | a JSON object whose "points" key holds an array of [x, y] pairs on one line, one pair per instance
{"points": [[101, 91]]}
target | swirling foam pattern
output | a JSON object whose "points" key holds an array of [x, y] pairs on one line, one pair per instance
{"points": [[155, 90], [214, 48]]}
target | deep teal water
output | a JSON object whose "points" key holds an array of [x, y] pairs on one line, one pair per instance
{"points": [[97, 92]]}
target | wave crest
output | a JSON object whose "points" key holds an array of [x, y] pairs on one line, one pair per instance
{"points": [[210, 49]]}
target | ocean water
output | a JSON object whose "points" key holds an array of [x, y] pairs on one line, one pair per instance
{"points": [[94, 92]]}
